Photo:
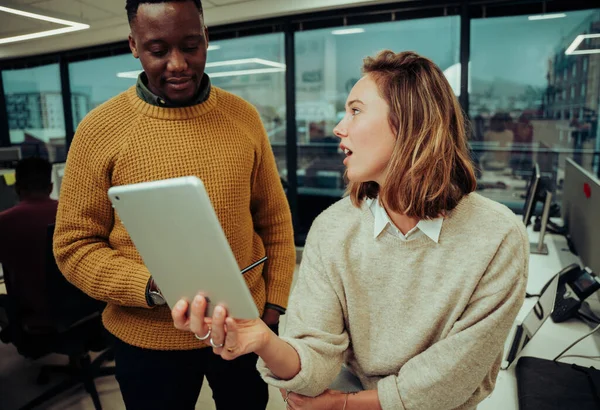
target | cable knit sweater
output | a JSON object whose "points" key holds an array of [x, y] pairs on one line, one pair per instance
{"points": [[125, 141], [422, 323]]}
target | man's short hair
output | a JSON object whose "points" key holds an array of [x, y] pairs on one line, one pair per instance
{"points": [[33, 175], [132, 6]]}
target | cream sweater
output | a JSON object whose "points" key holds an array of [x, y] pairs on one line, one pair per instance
{"points": [[423, 323]]}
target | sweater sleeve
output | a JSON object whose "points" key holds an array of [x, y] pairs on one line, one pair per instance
{"points": [[460, 370], [314, 328], [272, 222], [84, 222]]}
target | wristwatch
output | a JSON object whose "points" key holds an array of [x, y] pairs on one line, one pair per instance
{"points": [[154, 296]]}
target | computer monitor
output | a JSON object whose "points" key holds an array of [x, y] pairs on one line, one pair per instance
{"points": [[533, 194], [9, 156], [581, 213]]}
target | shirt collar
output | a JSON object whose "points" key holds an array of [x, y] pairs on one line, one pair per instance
{"points": [[149, 97], [432, 228]]}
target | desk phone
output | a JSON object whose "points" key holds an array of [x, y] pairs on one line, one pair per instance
{"points": [[574, 286]]}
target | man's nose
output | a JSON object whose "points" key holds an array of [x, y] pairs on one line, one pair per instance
{"points": [[177, 62]]}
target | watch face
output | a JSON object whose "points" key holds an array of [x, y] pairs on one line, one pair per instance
{"points": [[157, 298]]}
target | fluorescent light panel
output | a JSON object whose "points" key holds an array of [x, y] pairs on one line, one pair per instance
{"points": [[275, 68], [547, 16], [572, 49], [213, 47], [246, 61], [246, 72], [70, 26], [345, 31]]}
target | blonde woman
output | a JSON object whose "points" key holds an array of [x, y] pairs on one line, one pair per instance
{"points": [[412, 281]]}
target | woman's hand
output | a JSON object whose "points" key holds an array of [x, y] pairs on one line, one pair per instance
{"points": [[328, 400], [228, 337]]}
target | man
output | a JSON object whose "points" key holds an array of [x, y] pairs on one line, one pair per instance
{"points": [[23, 236], [173, 123]]}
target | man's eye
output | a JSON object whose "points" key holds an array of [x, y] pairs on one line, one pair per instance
{"points": [[190, 48], [158, 53]]}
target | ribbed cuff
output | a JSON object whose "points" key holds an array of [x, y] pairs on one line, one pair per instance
{"points": [[137, 295]]}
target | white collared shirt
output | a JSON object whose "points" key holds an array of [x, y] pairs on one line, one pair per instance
{"points": [[430, 227]]}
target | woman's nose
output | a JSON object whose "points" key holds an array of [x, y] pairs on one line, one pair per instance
{"points": [[339, 130]]}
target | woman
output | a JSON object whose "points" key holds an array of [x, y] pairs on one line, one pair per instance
{"points": [[412, 281]]}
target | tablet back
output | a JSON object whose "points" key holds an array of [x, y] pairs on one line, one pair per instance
{"points": [[176, 231]]}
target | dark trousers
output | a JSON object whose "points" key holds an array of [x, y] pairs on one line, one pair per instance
{"points": [[153, 379]]}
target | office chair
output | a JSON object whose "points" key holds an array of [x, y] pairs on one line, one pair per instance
{"points": [[75, 329]]}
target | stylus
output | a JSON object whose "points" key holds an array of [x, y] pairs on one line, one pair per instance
{"points": [[255, 264]]}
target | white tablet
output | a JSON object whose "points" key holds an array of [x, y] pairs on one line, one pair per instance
{"points": [[176, 231]]}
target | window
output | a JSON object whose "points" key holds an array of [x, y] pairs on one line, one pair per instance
{"points": [[35, 111], [328, 64], [511, 97], [93, 82], [251, 67], [583, 90], [254, 69]]}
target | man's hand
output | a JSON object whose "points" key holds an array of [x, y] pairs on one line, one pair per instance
{"points": [[329, 400], [271, 316]]}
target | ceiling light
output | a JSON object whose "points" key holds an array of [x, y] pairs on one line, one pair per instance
{"points": [[345, 31], [246, 61], [572, 49], [70, 26], [246, 72], [129, 74], [275, 67], [213, 47], [547, 16]]}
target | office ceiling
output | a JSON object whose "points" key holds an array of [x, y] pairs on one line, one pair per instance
{"points": [[108, 22]]}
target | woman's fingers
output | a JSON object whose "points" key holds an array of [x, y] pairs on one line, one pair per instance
{"points": [[197, 324], [179, 315], [217, 339], [232, 348]]}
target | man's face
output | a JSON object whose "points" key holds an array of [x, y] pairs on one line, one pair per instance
{"points": [[171, 42]]}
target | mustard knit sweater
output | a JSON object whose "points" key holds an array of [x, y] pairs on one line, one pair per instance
{"points": [[126, 141]]}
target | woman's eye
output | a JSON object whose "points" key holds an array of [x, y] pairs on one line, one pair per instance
{"points": [[355, 111]]}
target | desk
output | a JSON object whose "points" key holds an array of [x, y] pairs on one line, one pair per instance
{"points": [[552, 338]]}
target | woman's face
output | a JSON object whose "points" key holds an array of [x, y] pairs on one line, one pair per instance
{"points": [[365, 133]]}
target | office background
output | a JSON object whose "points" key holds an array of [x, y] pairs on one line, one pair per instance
{"points": [[530, 96]]}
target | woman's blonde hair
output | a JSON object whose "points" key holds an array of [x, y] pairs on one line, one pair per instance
{"points": [[430, 169]]}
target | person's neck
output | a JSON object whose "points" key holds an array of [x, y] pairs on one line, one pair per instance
{"points": [[403, 223], [33, 197]]}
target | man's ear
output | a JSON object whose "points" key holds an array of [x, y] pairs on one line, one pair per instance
{"points": [[206, 36], [133, 47]]}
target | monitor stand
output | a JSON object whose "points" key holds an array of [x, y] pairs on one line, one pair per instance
{"points": [[541, 248]]}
